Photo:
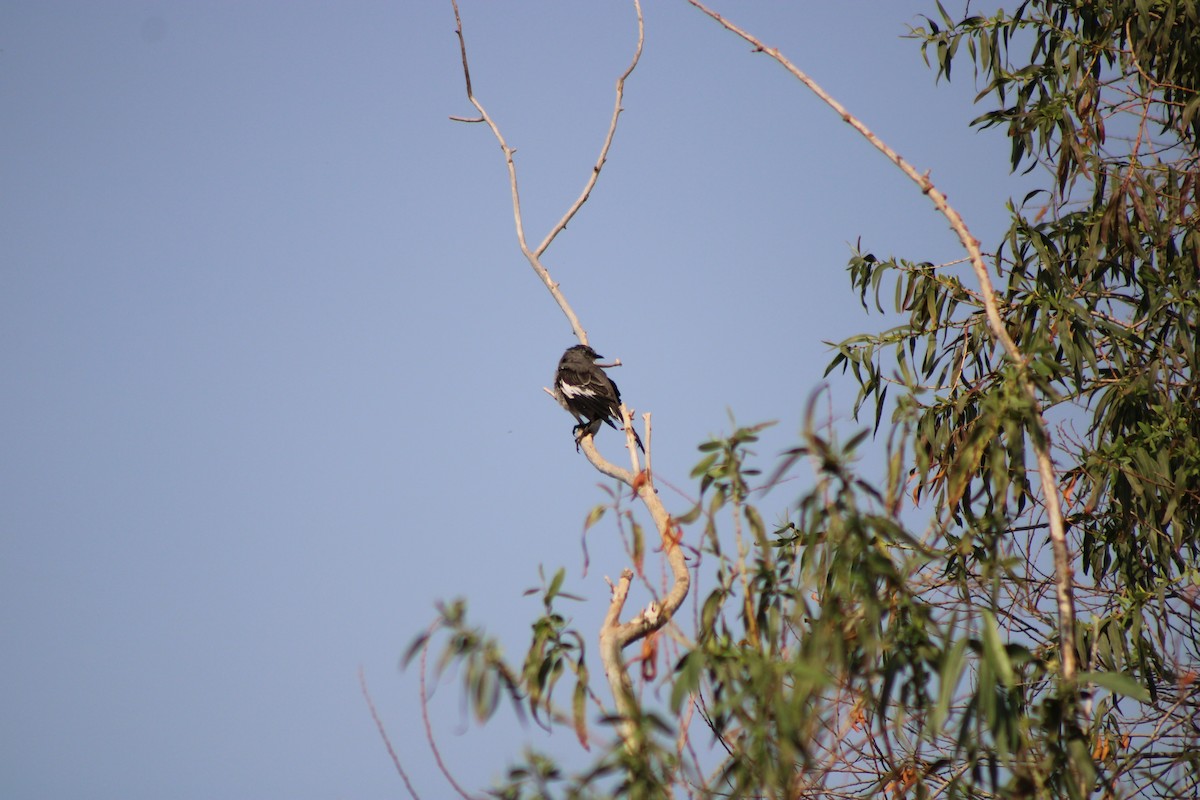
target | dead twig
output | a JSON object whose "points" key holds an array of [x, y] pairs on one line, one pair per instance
{"points": [[437, 754], [387, 742], [614, 635], [534, 255]]}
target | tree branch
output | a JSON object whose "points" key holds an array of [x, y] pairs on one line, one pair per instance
{"points": [[614, 635], [608, 139], [1063, 570], [437, 753], [387, 742], [534, 256]]}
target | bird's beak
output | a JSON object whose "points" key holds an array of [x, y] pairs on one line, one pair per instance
{"points": [[597, 355]]}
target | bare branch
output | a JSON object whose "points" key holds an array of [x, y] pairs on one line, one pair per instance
{"points": [[437, 754], [1064, 572], [387, 742], [614, 635], [608, 139], [630, 440], [614, 669], [533, 259], [534, 256]]}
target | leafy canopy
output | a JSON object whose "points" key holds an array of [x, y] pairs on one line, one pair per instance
{"points": [[899, 636]]}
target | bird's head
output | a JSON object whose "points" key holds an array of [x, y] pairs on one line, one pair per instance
{"points": [[582, 352]]}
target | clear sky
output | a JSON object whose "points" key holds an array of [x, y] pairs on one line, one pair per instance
{"points": [[273, 364]]}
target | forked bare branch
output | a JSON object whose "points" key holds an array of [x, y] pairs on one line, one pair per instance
{"points": [[608, 139], [533, 256], [614, 635]]}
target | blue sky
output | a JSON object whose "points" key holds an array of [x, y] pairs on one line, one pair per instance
{"points": [[273, 362]]}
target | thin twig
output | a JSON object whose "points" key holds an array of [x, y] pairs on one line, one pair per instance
{"points": [[608, 139], [614, 636], [630, 441], [437, 754], [387, 742], [534, 256], [533, 259]]}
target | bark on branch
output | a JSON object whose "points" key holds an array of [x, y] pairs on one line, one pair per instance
{"points": [[614, 635]]}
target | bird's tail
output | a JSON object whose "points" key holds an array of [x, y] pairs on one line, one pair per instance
{"points": [[636, 438]]}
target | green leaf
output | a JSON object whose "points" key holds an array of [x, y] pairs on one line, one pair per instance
{"points": [[687, 678], [756, 525], [579, 705], [994, 652], [1084, 767], [948, 679], [705, 464], [594, 516], [556, 583], [690, 516], [1117, 683]]}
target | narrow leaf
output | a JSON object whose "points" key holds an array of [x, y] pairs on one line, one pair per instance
{"points": [[1117, 683], [993, 649], [579, 707]]}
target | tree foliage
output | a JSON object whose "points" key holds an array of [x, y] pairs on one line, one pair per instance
{"points": [[899, 636], [1100, 273]]}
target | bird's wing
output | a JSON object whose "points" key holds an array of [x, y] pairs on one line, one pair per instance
{"points": [[589, 390]]}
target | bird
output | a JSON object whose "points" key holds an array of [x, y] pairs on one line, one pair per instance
{"points": [[586, 391]]}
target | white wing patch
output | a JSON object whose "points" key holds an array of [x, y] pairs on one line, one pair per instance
{"points": [[575, 391]]}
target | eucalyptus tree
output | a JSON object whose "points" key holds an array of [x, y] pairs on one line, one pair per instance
{"points": [[1012, 609]]}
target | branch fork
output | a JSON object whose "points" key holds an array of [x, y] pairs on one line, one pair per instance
{"points": [[614, 635]]}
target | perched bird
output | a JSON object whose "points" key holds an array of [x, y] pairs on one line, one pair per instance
{"points": [[585, 390]]}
